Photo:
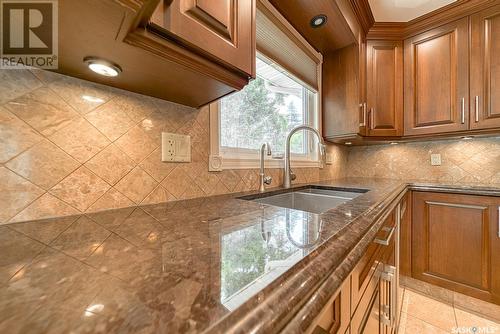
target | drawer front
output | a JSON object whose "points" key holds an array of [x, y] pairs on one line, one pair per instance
{"points": [[366, 318], [335, 316], [377, 252]]}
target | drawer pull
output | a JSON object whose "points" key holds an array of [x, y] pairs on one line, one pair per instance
{"points": [[363, 107], [389, 310], [476, 101], [463, 110], [387, 240]]}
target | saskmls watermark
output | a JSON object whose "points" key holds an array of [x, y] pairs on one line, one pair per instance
{"points": [[29, 34], [474, 330]]}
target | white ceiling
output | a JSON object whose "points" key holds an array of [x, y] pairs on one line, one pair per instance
{"points": [[403, 10]]}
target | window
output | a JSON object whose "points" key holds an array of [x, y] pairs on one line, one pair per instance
{"points": [[265, 111], [283, 95]]}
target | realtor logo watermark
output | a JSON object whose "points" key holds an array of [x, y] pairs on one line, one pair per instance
{"points": [[29, 34]]}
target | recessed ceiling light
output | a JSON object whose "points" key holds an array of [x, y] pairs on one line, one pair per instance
{"points": [[348, 143], [318, 21], [103, 67]]}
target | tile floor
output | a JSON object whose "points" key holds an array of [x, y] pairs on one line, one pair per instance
{"points": [[421, 314]]}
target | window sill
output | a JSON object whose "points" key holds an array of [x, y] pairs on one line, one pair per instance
{"points": [[218, 163]]}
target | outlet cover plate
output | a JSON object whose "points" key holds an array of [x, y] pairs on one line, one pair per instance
{"points": [[175, 147], [436, 159]]}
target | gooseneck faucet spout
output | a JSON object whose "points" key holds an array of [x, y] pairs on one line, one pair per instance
{"points": [[288, 176]]}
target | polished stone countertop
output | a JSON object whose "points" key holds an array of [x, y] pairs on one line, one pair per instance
{"points": [[215, 264]]}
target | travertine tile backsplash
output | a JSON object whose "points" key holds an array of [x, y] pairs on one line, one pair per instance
{"points": [[70, 146], [468, 161]]}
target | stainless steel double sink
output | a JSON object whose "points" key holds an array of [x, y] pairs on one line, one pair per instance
{"points": [[315, 199]]}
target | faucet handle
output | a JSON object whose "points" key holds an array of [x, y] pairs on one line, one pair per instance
{"points": [[268, 180]]}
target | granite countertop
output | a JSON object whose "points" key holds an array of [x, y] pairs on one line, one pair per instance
{"points": [[214, 264]]}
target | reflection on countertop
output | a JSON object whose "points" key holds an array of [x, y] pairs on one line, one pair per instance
{"points": [[187, 266]]}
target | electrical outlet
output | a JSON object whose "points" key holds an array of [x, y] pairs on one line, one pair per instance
{"points": [[436, 159], [175, 147]]}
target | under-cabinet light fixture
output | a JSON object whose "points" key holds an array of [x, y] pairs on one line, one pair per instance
{"points": [[103, 67]]}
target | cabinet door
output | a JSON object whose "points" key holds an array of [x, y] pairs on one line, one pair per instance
{"points": [[224, 29], [436, 90], [336, 315], [456, 243], [485, 69], [367, 318], [340, 92], [385, 88]]}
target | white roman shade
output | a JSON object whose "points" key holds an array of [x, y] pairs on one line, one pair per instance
{"points": [[281, 43]]}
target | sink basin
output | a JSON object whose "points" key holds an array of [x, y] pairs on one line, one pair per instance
{"points": [[313, 199]]}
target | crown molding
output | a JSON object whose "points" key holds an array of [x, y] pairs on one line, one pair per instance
{"points": [[364, 14], [438, 17]]}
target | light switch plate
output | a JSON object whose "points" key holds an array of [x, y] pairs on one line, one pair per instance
{"points": [[175, 147], [436, 159]]}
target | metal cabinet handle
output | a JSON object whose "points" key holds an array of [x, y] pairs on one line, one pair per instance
{"points": [[372, 118], [389, 311], [387, 240], [463, 110], [476, 103], [363, 107]]}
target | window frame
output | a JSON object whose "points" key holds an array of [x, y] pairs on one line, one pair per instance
{"points": [[240, 158], [249, 159]]}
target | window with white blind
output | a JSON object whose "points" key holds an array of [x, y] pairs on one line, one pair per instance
{"points": [[284, 94]]}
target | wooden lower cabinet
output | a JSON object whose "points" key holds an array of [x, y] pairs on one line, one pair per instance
{"points": [[366, 318], [455, 242], [335, 317], [367, 301], [375, 295]]}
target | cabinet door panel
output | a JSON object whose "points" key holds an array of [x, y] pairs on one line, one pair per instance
{"points": [[436, 80], [223, 29], [384, 85], [485, 69], [455, 243]]}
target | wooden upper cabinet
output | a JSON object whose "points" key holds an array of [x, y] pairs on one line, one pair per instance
{"points": [[485, 69], [223, 30], [385, 88], [436, 80], [456, 243], [341, 93]]}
